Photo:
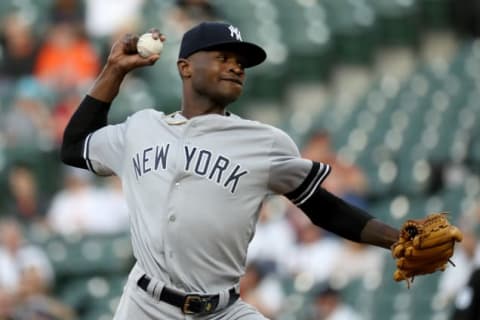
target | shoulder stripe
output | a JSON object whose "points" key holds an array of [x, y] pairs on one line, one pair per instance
{"points": [[311, 175], [86, 150], [314, 187], [316, 176]]}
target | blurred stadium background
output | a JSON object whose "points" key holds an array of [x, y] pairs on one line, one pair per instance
{"points": [[394, 83]]}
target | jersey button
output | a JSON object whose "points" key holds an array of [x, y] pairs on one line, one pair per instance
{"points": [[177, 184], [172, 218]]}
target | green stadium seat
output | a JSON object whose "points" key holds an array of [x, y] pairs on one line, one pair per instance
{"points": [[89, 255], [423, 291], [397, 22], [354, 29], [92, 297], [104, 296], [435, 14], [73, 292], [37, 13], [235, 12], [153, 12], [308, 37], [452, 200]]}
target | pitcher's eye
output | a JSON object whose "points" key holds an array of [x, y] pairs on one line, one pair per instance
{"points": [[221, 57]]}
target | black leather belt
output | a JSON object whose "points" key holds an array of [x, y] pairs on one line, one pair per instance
{"points": [[189, 303]]}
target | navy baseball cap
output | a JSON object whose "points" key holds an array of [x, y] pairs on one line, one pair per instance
{"points": [[219, 35]]}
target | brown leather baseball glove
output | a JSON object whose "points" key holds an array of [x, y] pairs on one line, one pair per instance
{"points": [[424, 246]]}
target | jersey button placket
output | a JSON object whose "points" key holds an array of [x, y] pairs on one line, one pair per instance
{"points": [[172, 217]]}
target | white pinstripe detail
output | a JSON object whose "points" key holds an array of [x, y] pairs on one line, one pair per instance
{"points": [[322, 174], [85, 153], [314, 179]]}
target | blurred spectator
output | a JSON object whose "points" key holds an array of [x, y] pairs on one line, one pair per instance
{"points": [[466, 257], [274, 237], [187, 13], [198, 10], [104, 46], [27, 203], [17, 256], [467, 306], [67, 59], [315, 252], [82, 208], [466, 16], [328, 305], [346, 179], [7, 304], [104, 18], [34, 301], [358, 261], [68, 10], [73, 207], [114, 210], [262, 289], [63, 110], [19, 47], [28, 121]]}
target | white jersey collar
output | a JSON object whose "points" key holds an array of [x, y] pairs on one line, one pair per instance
{"points": [[177, 118]]}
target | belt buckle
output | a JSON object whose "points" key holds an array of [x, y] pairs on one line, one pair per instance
{"points": [[203, 304]]}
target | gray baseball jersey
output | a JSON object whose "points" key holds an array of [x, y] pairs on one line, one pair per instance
{"points": [[194, 188]]}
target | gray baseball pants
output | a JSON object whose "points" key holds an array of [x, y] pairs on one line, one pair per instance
{"points": [[137, 304]]}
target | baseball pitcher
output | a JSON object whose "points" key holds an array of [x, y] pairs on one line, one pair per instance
{"points": [[195, 180]]}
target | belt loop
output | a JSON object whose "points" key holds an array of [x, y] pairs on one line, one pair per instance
{"points": [[223, 298], [155, 288], [237, 288]]}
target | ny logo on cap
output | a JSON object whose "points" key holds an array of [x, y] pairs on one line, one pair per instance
{"points": [[235, 33]]}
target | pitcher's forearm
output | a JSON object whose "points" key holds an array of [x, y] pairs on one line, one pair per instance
{"points": [[107, 84], [379, 234]]}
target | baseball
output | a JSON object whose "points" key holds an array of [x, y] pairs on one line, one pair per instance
{"points": [[147, 45]]}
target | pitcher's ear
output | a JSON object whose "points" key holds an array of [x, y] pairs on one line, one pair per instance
{"points": [[184, 68]]}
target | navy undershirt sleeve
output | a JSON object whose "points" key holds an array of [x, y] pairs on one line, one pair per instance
{"points": [[332, 213], [91, 115]]}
